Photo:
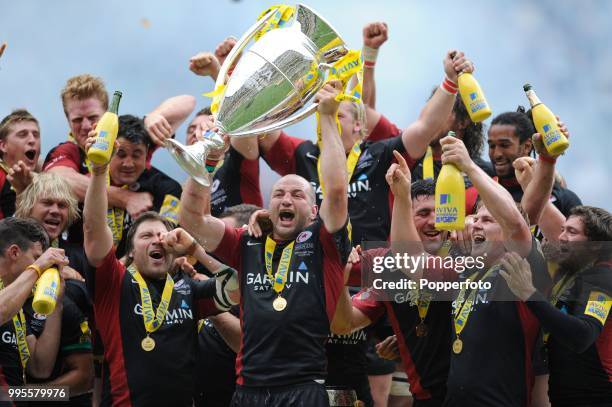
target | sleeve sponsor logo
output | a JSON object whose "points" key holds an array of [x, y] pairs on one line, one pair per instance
{"points": [[598, 306]]}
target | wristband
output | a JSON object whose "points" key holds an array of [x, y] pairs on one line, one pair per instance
{"points": [[211, 165], [449, 87], [35, 268], [369, 56], [546, 159]]}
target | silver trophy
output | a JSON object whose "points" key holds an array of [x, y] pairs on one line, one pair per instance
{"points": [[271, 85]]}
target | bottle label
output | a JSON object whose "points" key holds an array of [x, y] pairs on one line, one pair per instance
{"points": [[476, 102], [446, 214], [101, 142], [551, 134]]}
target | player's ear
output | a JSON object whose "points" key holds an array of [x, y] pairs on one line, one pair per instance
{"points": [[313, 213]]}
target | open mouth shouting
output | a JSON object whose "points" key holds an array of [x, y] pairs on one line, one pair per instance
{"points": [[52, 225], [157, 255], [286, 217], [478, 238], [30, 157]]}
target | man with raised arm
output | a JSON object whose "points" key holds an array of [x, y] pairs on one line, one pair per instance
{"points": [[24, 255], [85, 99], [289, 280], [145, 311], [576, 318], [367, 162]]}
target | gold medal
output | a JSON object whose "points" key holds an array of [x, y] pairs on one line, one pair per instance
{"points": [[279, 303], [457, 346], [421, 330], [148, 344]]}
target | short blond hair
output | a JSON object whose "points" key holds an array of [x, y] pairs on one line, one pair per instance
{"points": [[16, 116], [82, 87], [358, 111], [47, 185]]}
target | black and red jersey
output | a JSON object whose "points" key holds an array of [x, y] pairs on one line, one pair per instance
{"points": [[165, 375], [347, 362], [160, 186], [495, 366], [383, 130], [580, 341], [286, 347], [563, 198], [9, 352], [7, 197], [368, 192], [235, 182], [425, 359]]}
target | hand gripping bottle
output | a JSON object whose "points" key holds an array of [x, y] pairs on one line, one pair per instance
{"points": [[108, 126], [546, 124], [473, 97], [45, 295], [450, 198]]}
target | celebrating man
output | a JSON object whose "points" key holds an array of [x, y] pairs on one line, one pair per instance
{"points": [[145, 314], [289, 280]]}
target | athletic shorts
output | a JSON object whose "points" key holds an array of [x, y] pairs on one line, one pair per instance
{"points": [[311, 394]]}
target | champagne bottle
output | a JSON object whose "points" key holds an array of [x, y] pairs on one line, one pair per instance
{"points": [[108, 126], [473, 97], [450, 198], [45, 296], [546, 123]]}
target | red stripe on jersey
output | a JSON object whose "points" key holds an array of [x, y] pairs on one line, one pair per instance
{"points": [[333, 271], [604, 348], [107, 299], [471, 196], [250, 191], [416, 388], [531, 326], [383, 130], [239, 378], [281, 156]]}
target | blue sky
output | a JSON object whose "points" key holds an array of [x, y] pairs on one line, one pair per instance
{"points": [[142, 48]]}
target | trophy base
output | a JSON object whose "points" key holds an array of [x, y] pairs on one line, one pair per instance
{"points": [[192, 163]]}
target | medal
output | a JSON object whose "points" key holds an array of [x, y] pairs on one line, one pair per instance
{"points": [[279, 303], [421, 330], [148, 344], [457, 346]]}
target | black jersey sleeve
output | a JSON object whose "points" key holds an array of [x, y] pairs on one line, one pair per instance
{"points": [[579, 328]]}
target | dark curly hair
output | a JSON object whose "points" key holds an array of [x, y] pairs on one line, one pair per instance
{"points": [[473, 133], [521, 120], [133, 130]]}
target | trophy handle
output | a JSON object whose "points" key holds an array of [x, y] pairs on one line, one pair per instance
{"points": [[239, 47], [279, 125]]}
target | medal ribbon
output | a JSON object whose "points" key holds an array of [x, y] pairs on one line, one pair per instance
{"points": [[343, 70], [424, 300], [19, 324], [557, 291], [20, 333], [152, 319], [282, 14], [4, 166], [114, 216], [464, 310], [280, 278]]}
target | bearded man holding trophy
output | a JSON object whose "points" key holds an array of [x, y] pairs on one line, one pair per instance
{"points": [[291, 278]]}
